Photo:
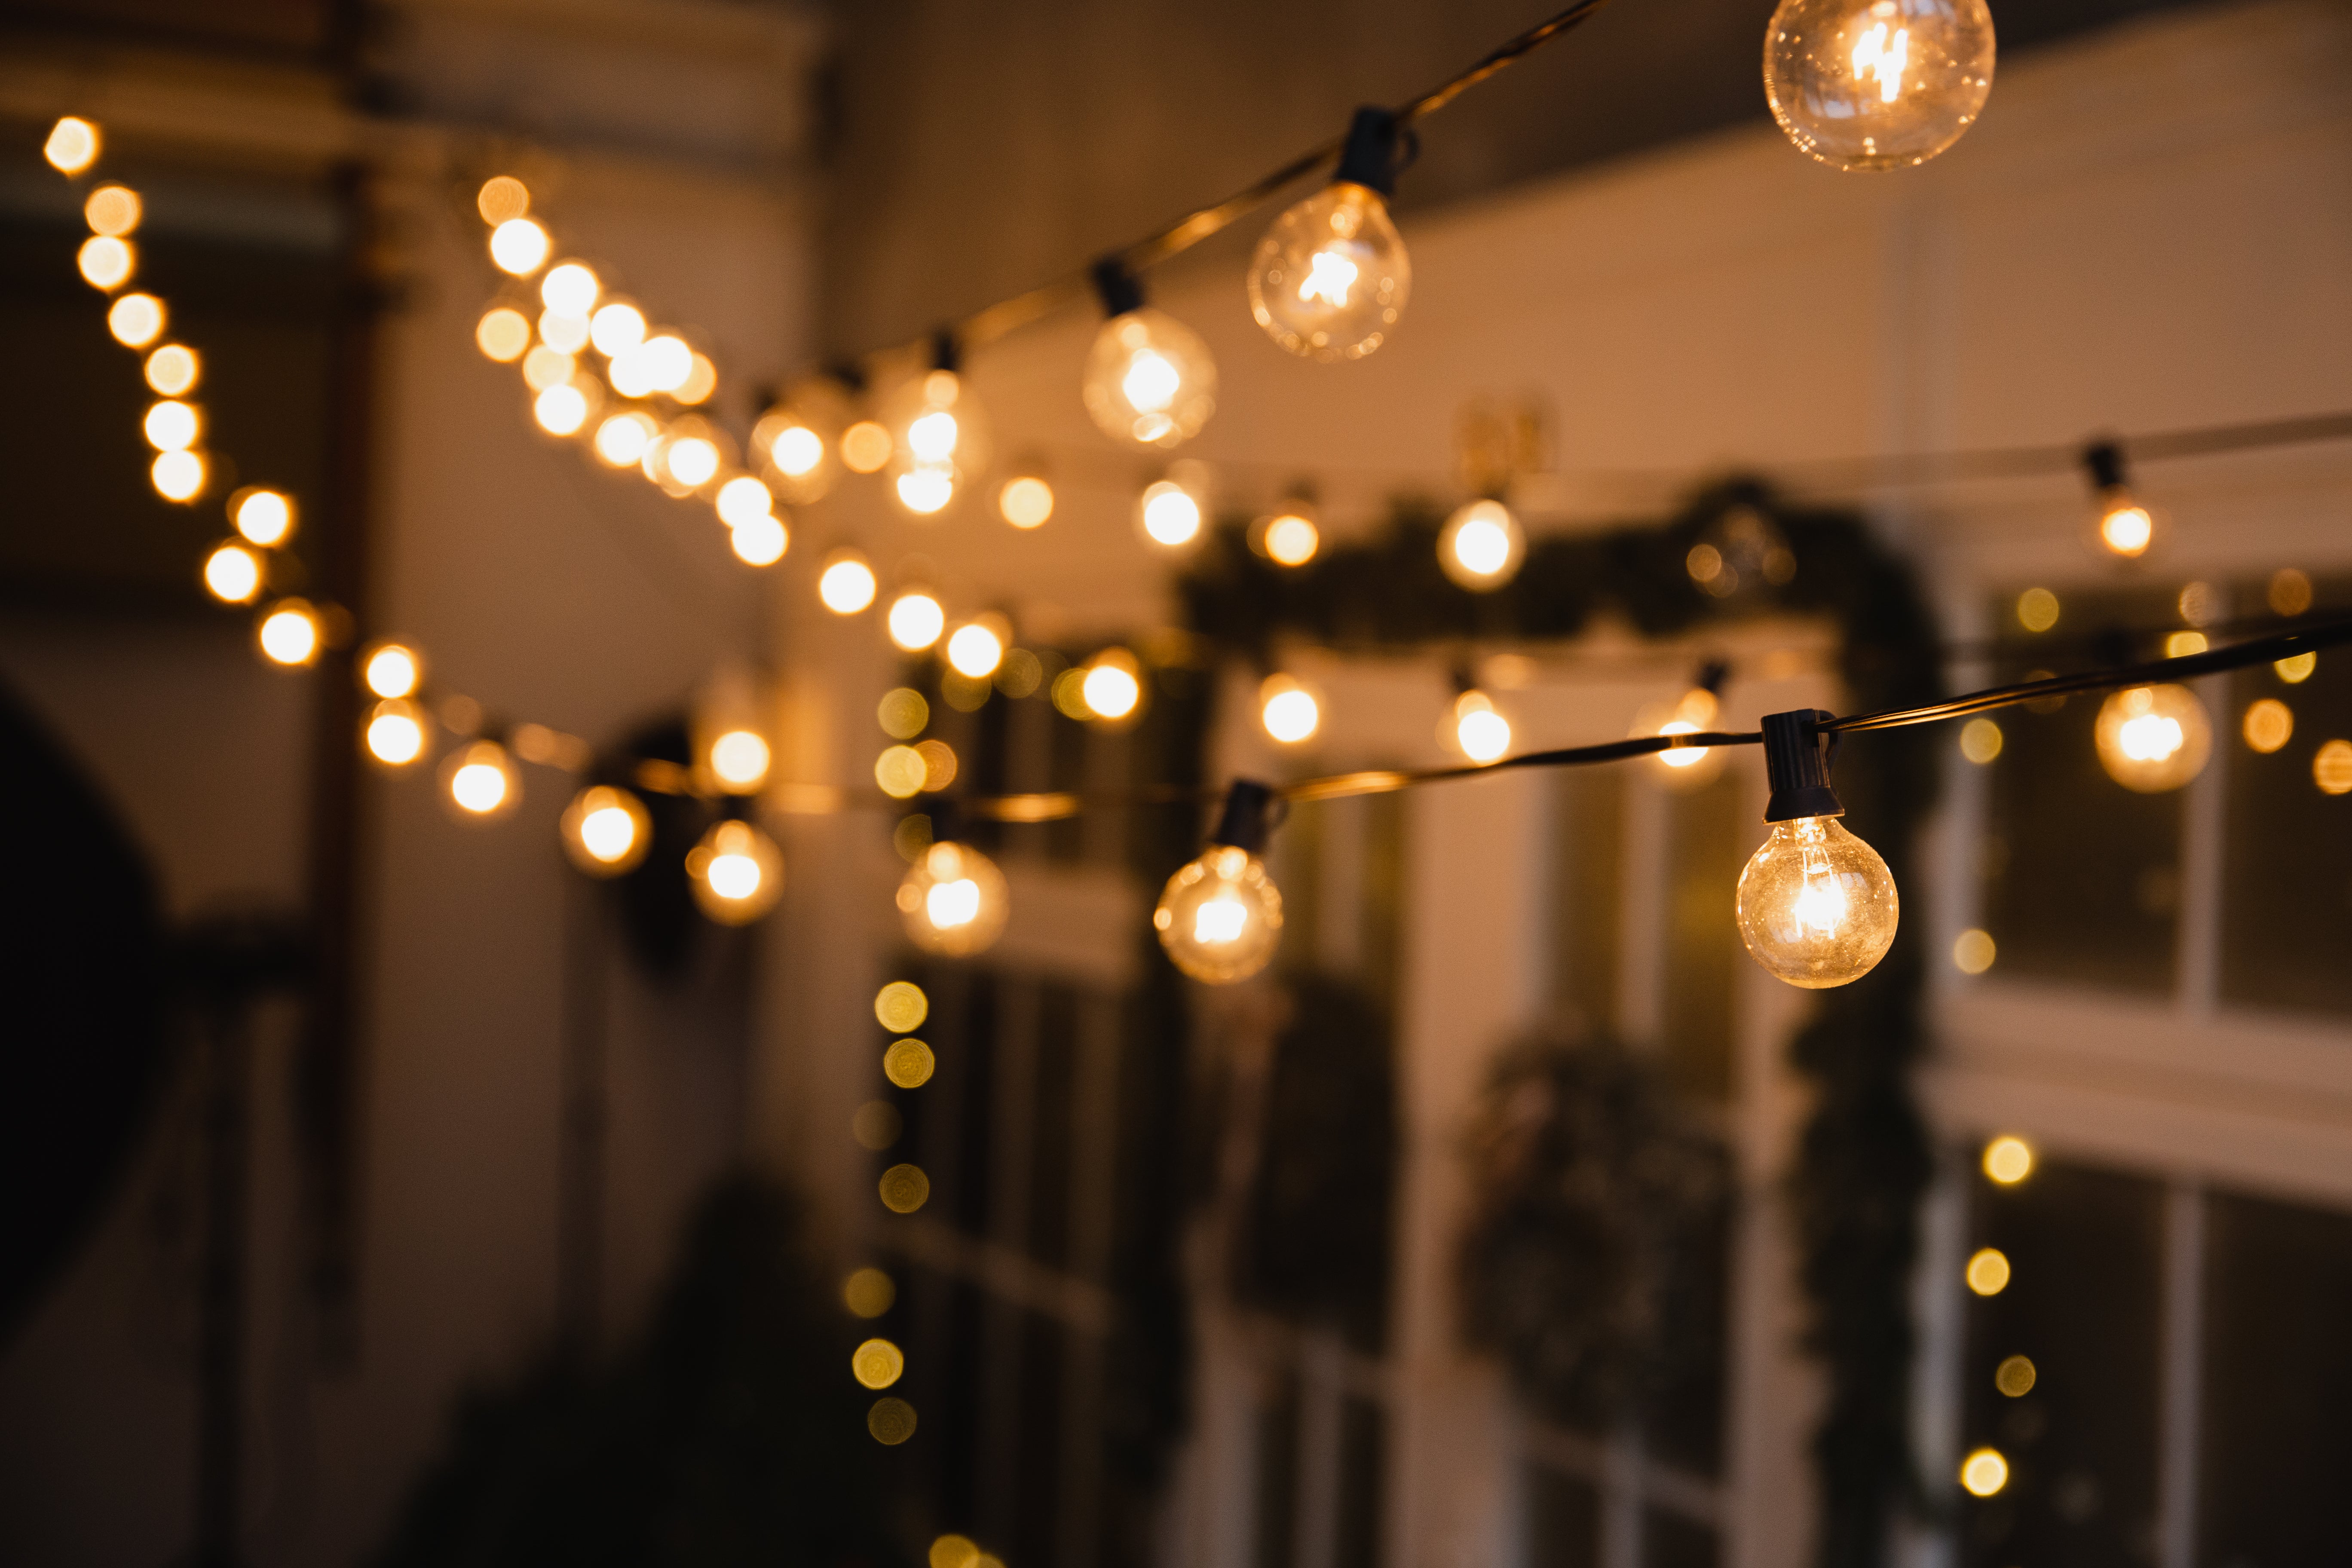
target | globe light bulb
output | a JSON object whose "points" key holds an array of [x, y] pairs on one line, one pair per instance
{"points": [[178, 476], [106, 263], [794, 443], [2121, 524], [1025, 501], [606, 831], [1112, 686], [2151, 739], [503, 334], [915, 620], [737, 872], [1684, 767], [1877, 84], [72, 145], [622, 440], [1150, 379], [953, 901], [1817, 906], [1481, 545], [112, 210], [616, 327], [560, 410], [760, 541], [569, 289], [1289, 538], [396, 733], [1219, 916], [1288, 708], [391, 669], [519, 246], [480, 781], [1169, 513], [738, 761], [976, 647], [1330, 277], [171, 426], [264, 516], [1476, 728], [846, 583], [289, 633], [172, 369], [233, 574], [136, 320], [938, 438], [742, 500]]}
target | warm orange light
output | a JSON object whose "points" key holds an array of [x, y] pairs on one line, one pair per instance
{"points": [[289, 633], [72, 146], [501, 198], [136, 320], [846, 584], [392, 669], [1026, 501], [266, 517], [503, 333], [622, 440], [178, 476], [738, 760], [865, 447], [760, 541], [606, 830], [742, 500], [172, 370], [519, 246], [233, 574], [396, 733], [170, 426], [105, 261], [112, 210]]}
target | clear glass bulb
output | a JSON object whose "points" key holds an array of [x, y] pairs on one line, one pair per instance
{"points": [[737, 873], [1688, 767], [606, 831], [2152, 739], [953, 901], [2125, 526], [1150, 379], [1877, 84], [939, 441], [1220, 917], [1817, 906], [1331, 277], [1481, 545], [479, 781]]}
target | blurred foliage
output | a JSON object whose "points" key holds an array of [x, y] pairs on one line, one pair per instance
{"points": [[1592, 1191], [730, 1435]]}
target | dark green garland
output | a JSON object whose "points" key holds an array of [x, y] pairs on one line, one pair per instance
{"points": [[1864, 1161]]}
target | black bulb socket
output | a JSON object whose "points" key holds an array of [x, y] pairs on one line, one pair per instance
{"points": [[2105, 460], [1797, 765], [1116, 287], [1372, 154], [1245, 822]]}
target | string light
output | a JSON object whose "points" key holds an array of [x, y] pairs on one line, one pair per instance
{"points": [[289, 633], [1330, 277], [561, 410], [112, 210], [1877, 84], [233, 574], [1150, 379], [1816, 906], [738, 761], [1984, 1472], [170, 426], [2123, 526], [976, 647], [503, 334], [1025, 501], [952, 900], [2151, 739], [760, 541], [938, 436], [502, 197], [519, 246], [569, 289], [178, 476], [616, 327], [265, 516], [865, 447], [1112, 686], [915, 620], [391, 669], [2268, 725], [72, 145], [606, 831], [1288, 708], [545, 366], [737, 872], [1219, 916], [1481, 545], [106, 263], [136, 320], [396, 733], [2008, 1158], [1477, 728], [623, 437], [481, 781], [172, 370], [566, 334], [1170, 511], [742, 500]]}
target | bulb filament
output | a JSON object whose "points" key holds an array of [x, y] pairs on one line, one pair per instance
{"points": [[1219, 920], [1329, 276], [2151, 738], [952, 904], [733, 876], [1884, 57], [1151, 382]]}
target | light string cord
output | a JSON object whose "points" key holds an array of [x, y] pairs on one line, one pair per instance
{"points": [[1387, 781]]}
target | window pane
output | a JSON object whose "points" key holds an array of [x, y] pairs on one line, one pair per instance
{"points": [[2082, 1305], [2287, 916], [2278, 1381], [2082, 876]]}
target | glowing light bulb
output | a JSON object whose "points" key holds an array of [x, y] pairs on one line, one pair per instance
{"points": [[502, 197], [172, 369], [1984, 1472], [2151, 739], [105, 261], [178, 476], [1331, 277], [760, 541], [519, 246], [953, 901], [289, 633], [170, 426], [1816, 905], [1112, 687], [1877, 84], [545, 366], [1220, 917], [266, 517], [865, 447], [622, 440], [616, 329], [391, 669], [1684, 767], [738, 760], [846, 583], [2008, 1158], [796, 450], [606, 831], [136, 320], [233, 574], [742, 498], [915, 620], [690, 461], [112, 210], [560, 410], [1481, 545], [2126, 527], [566, 334], [1150, 379], [570, 289], [939, 440], [926, 490], [1025, 501], [503, 334], [737, 872], [1170, 513], [481, 780], [1289, 709], [396, 733], [1290, 538], [976, 648], [72, 145], [1478, 730]]}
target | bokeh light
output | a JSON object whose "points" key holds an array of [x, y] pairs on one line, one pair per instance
{"points": [[502, 199], [289, 633], [570, 289], [2269, 724], [915, 620], [233, 574], [616, 327], [2037, 609], [901, 1006], [72, 145], [1481, 545], [172, 369], [738, 761], [622, 440], [976, 648], [2008, 1160], [738, 872], [481, 781], [2015, 1376], [2290, 592], [136, 320], [760, 541], [503, 333], [396, 733], [1291, 539], [1973, 951], [902, 712], [1980, 740], [560, 410], [877, 1364], [742, 500], [1479, 730], [566, 334], [392, 669], [1025, 501], [2331, 768], [170, 426], [1988, 1271], [865, 447], [846, 583], [1984, 1472], [606, 831], [519, 246], [1289, 709], [106, 263], [909, 1064], [266, 517], [112, 210], [1170, 513], [2296, 669], [178, 476], [905, 1189], [899, 772], [868, 1292], [1112, 687], [891, 1420]]}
